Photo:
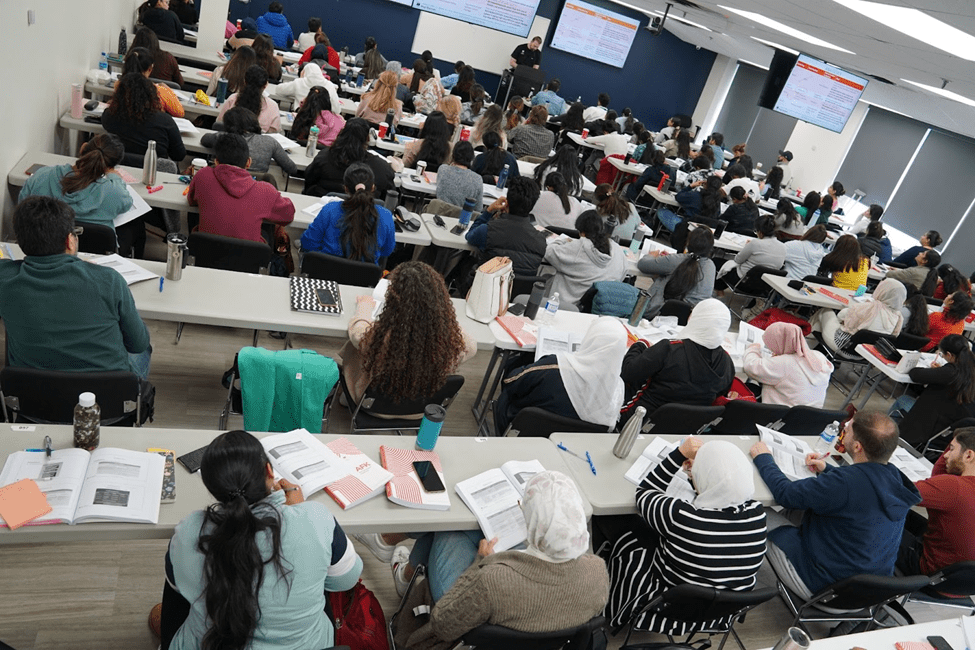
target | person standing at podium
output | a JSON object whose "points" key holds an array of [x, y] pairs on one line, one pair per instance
{"points": [[529, 54]]}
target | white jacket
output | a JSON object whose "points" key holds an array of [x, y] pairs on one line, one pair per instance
{"points": [[311, 76]]}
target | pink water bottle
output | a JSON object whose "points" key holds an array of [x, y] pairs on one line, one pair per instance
{"points": [[77, 101]]}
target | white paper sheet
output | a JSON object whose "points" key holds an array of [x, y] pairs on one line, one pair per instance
{"points": [[139, 208], [789, 453]]}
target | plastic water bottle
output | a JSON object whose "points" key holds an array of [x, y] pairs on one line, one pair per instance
{"points": [[312, 149], [87, 422], [503, 176], [827, 439], [551, 307], [103, 62]]}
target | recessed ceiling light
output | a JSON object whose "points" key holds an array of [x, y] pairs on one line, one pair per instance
{"points": [[775, 45], [691, 23], [785, 29], [944, 93], [917, 25]]}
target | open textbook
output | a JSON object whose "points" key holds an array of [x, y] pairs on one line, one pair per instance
{"points": [[104, 485], [553, 341], [788, 453], [653, 455], [494, 498], [916, 469]]}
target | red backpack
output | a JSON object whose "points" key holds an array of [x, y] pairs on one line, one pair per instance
{"points": [[359, 620]]}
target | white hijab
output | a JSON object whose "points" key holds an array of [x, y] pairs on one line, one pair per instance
{"points": [[311, 76], [723, 476], [591, 375], [556, 518], [708, 324]]}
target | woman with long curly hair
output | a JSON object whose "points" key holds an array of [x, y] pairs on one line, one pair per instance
{"points": [[135, 115], [380, 99], [251, 97], [414, 344], [252, 570]]}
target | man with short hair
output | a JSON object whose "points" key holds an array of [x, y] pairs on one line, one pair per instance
{"points": [[231, 202], [949, 496], [785, 157], [274, 24], [451, 80], [597, 112], [527, 54], [61, 312], [505, 228], [716, 142], [854, 514], [551, 99]]}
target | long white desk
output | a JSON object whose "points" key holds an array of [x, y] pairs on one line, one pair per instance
{"points": [[463, 457], [781, 286], [206, 57], [191, 106], [887, 638]]}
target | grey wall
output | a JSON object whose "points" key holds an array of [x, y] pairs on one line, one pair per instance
{"points": [[741, 106]]}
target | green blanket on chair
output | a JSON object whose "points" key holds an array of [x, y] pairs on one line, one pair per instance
{"points": [[285, 389]]}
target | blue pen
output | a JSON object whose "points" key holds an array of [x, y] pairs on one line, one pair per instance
{"points": [[37, 450], [161, 280], [591, 466], [588, 458]]}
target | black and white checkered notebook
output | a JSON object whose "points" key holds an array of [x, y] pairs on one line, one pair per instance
{"points": [[316, 296]]}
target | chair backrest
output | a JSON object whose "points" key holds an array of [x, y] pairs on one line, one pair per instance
{"points": [[698, 604], [569, 232], [681, 418], [679, 308], [741, 416], [444, 209], [165, 82], [96, 238], [536, 422], [490, 637], [378, 403], [863, 337], [905, 341], [229, 253], [809, 421], [818, 279], [753, 284], [863, 591], [330, 267], [957, 579], [49, 396], [522, 285]]}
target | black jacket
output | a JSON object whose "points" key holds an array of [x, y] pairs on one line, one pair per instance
{"points": [[537, 384], [323, 175], [935, 408], [516, 238], [870, 246], [164, 23], [740, 218], [135, 137]]}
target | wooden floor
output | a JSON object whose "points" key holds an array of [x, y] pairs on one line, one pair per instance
{"points": [[98, 595]]}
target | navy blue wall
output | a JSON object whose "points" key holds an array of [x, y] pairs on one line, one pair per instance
{"points": [[662, 76]]}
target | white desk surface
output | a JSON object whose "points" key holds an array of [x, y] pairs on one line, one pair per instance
{"points": [[631, 168], [205, 57], [578, 139], [608, 491], [353, 89], [443, 237], [463, 457], [926, 358], [781, 285], [191, 107], [526, 168], [886, 638], [195, 76], [568, 321], [664, 197], [489, 193]]}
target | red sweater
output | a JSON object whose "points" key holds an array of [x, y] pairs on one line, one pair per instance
{"points": [[333, 57], [233, 204], [940, 327], [950, 501]]}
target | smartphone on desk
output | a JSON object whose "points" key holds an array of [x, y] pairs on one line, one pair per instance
{"points": [[428, 476], [33, 168], [325, 298]]}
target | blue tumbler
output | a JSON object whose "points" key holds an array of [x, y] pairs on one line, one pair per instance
{"points": [[433, 417]]}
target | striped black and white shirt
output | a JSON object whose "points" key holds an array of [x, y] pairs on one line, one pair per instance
{"points": [[713, 548]]}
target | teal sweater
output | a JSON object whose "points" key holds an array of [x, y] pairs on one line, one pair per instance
{"points": [[98, 203], [62, 313], [285, 389]]}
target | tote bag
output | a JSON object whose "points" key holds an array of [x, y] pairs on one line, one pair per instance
{"points": [[491, 292]]}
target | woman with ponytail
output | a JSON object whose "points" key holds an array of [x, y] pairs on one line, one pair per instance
{"points": [[251, 97], [355, 228], [687, 276], [490, 163], [139, 60], [316, 110], [555, 207], [580, 262], [252, 569]]}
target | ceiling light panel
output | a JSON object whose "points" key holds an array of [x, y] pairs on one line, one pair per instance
{"points": [[765, 21]]}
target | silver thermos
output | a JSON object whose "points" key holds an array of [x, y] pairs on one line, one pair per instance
{"points": [[794, 639], [149, 164], [639, 308], [624, 444], [175, 255]]}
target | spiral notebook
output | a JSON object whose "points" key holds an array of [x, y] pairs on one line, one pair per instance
{"points": [[316, 296]]}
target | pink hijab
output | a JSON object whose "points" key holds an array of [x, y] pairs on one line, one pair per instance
{"points": [[787, 338]]}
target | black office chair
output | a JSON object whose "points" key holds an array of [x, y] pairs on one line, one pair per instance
{"points": [[741, 416], [957, 579], [679, 308], [810, 421], [571, 232], [753, 286], [682, 419], [491, 637], [165, 82], [331, 267], [49, 396], [229, 253], [700, 606], [937, 302], [522, 285], [96, 238], [536, 422], [400, 416]]}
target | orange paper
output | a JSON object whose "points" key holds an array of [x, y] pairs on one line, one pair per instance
{"points": [[22, 502]]}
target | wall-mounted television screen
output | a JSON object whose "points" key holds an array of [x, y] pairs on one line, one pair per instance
{"points": [[814, 91], [511, 16], [595, 33]]}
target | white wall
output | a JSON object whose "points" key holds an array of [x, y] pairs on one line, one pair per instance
{"points": [[713, 95], [818, 153]]}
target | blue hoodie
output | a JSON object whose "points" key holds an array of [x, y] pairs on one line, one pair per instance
{"points": [[854, 521], [276, 26]]}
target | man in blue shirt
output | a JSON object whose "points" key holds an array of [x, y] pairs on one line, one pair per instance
{"points": [[450, 80], [716, 142], [275, 25], [549, 97]]}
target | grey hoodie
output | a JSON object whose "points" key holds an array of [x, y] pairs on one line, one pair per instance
{"points": [[579, 264]]}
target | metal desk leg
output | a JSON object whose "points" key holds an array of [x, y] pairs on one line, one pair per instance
{"points": [[856, 388], [499, 359], [873, 388]]}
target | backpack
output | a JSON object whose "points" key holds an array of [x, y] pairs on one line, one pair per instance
{"points": [[359, 619]]}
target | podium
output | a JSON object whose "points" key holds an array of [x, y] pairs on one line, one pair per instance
{"points": [[523, 80]]}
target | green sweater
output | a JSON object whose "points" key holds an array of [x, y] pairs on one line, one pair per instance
{"points": [[98, 203], [62, 313]]}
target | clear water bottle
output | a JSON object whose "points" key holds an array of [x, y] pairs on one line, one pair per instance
{"points": [[87, 422], [103, 62], [312, 149], [551, 307], [503, 176], [827, 439]]}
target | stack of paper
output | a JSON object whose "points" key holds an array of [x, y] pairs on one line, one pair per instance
{"points": [[913, 468], [128, 269], [553, 341], [653, 455], [789, 453]]}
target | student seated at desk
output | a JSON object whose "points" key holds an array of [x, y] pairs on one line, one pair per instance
{"points": [[414, 344], [233, 71], [804, 256], [266, 58], [554, 206], [135, 115], [687, 276], [231, 202], [613, 142], [794, 375], [465, 82], [139, 61], [491, 119], [693, 369], [473, 109], [578, 263], [619, 216], [424, 88], [764, 250], [788, 221], [951, 280], [494, 158], [532, 138], [653, 174], [513, 115], [326, 173], [61, 312], [316, 110], [679, 147], [451, 107], [276, 25], [584, 384], [355, 228], [882, 314], [771, 187], [164, 65], [871, 241], [950, 320], [360, 58], [262, 148], [156, 15], [307, 39], [874, 213], [736, 176], [702, 206], [374, 104], [505, 229], [929, 240], [253, 570], [456, 182], [251, 97], [847, 264], [667, 133], [321, 50], [565, 161], [742, 214], [310, 77], [433, 146], [718, 540], [701, 170]]}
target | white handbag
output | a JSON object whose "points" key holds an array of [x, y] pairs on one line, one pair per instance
{"points": [[491, 292]]}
